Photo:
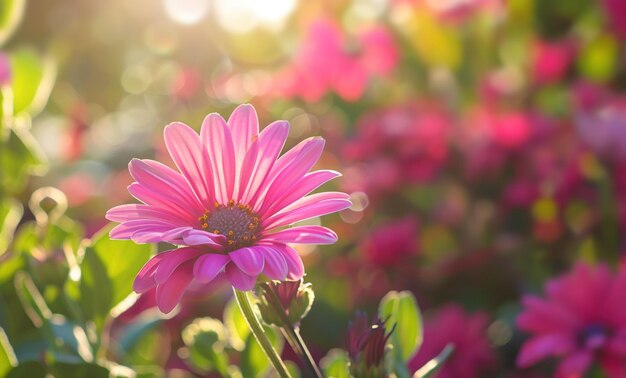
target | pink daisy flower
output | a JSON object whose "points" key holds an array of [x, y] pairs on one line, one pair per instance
{"points": [[582, 319], [228, 207]]}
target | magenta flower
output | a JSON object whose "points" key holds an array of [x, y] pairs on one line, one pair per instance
{"points": [[582, 319], [472, 356], [551, 60], [330, 61], [391, 243], [228, 207]]}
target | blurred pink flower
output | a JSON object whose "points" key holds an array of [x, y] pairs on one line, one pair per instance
{"points": [[581, 320], [329, 60], [227, 207], [458, 11], [472, 355], [5, 69], [391, 243], [406, 143], [615, 11], [551, 61], [601, 121]]}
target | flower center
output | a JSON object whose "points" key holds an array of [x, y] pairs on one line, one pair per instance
{"points": [[237, 222], [594, 336]]}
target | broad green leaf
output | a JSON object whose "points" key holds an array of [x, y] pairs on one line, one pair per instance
{"points": [[234, 321], [19, 157], [32, 79], [7, 355], [10, 214], [66, 370], [400, 310], [123, 259], [11, 12], [108, 270], [28, 369], [206, 340], [254, 362], [336, 364], [432, 366]]}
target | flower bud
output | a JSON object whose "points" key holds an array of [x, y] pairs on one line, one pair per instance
{"points": [[293, 297], [366, 346]]}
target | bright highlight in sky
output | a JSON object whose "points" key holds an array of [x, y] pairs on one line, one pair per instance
{"points": [[241, 16], [187, 11]]}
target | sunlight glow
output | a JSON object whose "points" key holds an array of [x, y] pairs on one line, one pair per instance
{"points": [[186, 11], [242, 16]]}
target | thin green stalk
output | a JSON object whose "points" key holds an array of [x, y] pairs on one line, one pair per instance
{"points": [[291, 333], [257, 330]]}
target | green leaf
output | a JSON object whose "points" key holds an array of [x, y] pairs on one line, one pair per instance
{"points": [[65, 370], [32, 301], [206, 340], [11, 212], [400, 310], [122, 259], [107, 273], [234, 321], [11, 12], [19, 157], [29, 369], [7, 355], [254, 362], [336, 364], [32, 79], [432, 366]]}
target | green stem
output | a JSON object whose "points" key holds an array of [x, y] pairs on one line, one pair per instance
{"points": [[257, 330], [291, 333]]}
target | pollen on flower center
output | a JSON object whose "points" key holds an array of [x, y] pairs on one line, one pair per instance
{"points": [[237, 222]]}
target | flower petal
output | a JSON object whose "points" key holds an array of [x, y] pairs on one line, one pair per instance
{"points": [[162, 202], [540, 347], [199, 237], [165, 181], [239, 279], [173, 260], [249, 260], [185, 147], [276, 200], [575, 364], [309, 207], [261, 158], [208, 266], [170, 292], [129, 212], [275, 266], [293, 260], [303, 235], [144, 280], [244, 127], [217, 139], [286, 172]]}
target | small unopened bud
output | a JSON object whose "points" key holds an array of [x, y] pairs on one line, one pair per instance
{"points": [[366, 346], [293, 298]]}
